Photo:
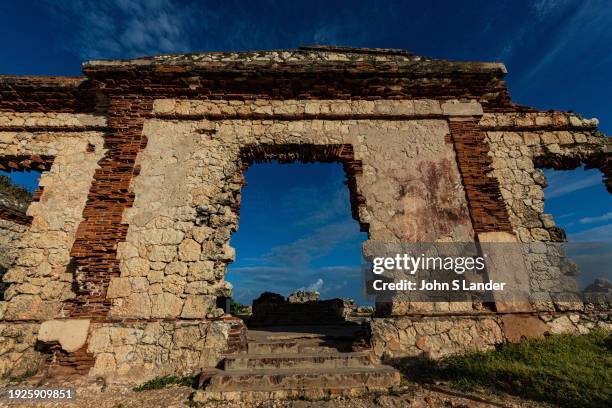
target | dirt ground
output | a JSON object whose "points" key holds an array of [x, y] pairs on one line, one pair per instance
{"points": [[98, 395]]}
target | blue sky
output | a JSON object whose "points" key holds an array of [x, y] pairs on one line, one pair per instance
{"points": [[558, 54], [296, 232]]}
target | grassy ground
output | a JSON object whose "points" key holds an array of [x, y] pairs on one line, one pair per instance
{"points": [[568, 371], [163, 382]]}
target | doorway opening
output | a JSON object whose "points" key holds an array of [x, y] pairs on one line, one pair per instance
{"points": [[298, 271]]}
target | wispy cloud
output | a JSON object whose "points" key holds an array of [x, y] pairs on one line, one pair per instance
{"points": [[331, 281], [577, 27], [598, 234], [561, 183], [319, 204], [538, 12], [318, 243], [289, 267], [544, 8], [127, 28], [315, 286], [130, 28], [599, 218]]}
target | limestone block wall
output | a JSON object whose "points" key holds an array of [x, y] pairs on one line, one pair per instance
{"points": [[36, 246], [188, 189], [529, 142], [406, 338], [40, 280], [149, 349], [10, 236], [435, 337], [521, 145], [17, 353]]}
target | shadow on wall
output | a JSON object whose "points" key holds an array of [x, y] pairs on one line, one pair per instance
{"points": [[16, 194]]}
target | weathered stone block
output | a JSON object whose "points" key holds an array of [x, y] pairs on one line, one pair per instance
{"points": [[70, 334], [197, 306], [189, 250]]}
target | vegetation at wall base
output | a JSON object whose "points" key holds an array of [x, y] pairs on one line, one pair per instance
{"points": [[162, 382], [565, 370]]}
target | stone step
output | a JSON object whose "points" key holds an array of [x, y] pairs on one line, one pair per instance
{"points": [[301, 360], [257, 396], [273, 347], [294, 379]]}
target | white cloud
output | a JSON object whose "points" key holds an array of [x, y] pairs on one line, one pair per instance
{"points": [[331, 281], [538, 12], [126, 28], [561, 183], [543, 8], [598, 234], [314, 287], [588, 27], [599, 218], [320, 242]]}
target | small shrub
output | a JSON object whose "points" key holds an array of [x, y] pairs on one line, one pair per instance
{"points": [[162, 382], [237, 308], [21, 378]]}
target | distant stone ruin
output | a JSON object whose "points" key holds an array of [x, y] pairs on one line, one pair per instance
{"points": [[120, 259], [300, 308], [302, 296]]}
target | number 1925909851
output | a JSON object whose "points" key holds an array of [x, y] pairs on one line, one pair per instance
{"points": [[37, 393]]}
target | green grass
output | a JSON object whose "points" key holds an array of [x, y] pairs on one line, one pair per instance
{"points": [[21, 378], [237, 308], [568, 371], [162, 382]]}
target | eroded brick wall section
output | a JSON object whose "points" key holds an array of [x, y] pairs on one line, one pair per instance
{"points": [[487, 208], [18, 217], [21, 163], [310, 73], [61, 363], [95, 248], [46, 94]]}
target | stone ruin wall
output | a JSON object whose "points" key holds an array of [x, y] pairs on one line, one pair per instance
{"points": [[14, 202], [10, 236], [13, 223], [522, 145], [43, 277], [130, 231]]}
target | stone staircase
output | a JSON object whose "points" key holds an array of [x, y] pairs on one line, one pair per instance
{"points": [[295, 368]]}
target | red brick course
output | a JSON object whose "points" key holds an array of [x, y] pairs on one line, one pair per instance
{"points": [[487, 208], [95, 248]]}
